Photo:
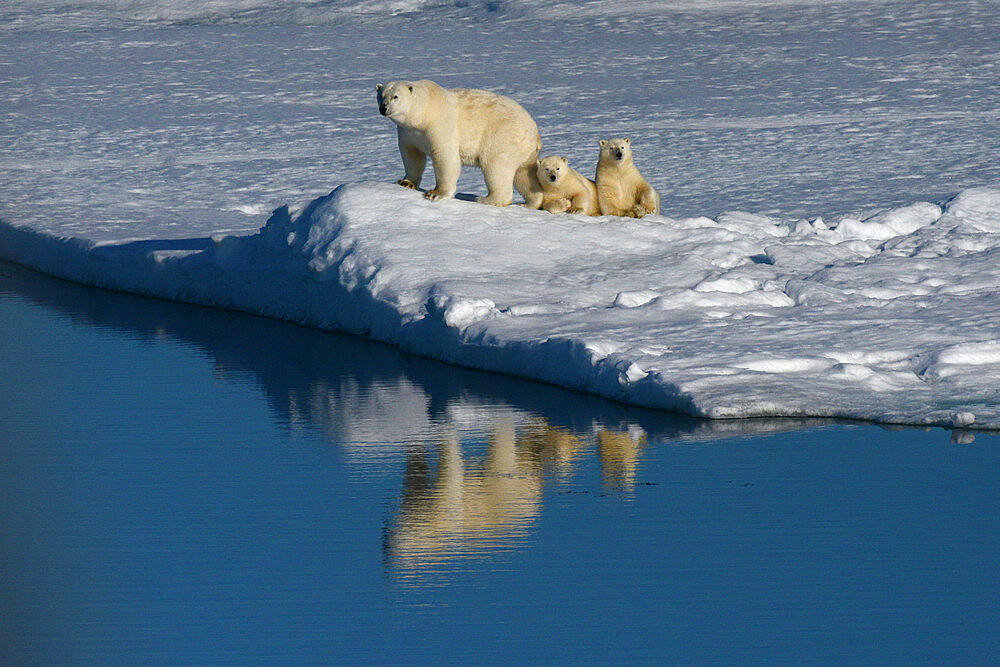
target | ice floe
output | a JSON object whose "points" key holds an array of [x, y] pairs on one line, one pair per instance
{"points": [[893, 318]]}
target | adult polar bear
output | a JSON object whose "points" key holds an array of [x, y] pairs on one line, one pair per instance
{"points": [[464, 126]]}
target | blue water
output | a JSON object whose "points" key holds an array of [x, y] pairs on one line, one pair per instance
{"points": [[185, 485]]}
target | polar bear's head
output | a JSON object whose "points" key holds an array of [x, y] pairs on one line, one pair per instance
{"points": [[552, 169], [395, 99], [616, 151]]}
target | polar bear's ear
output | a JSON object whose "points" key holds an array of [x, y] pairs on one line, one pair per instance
{"points": [[378, 87], [564, 159], [411, 89], [628, 140], [604, 142]]}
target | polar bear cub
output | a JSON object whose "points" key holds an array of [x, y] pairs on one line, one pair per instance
{"points": [[565, 189], [463, 126], [621, 189]]}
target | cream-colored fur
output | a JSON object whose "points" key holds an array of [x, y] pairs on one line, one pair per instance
{"points": [[463, 126], [470, 503], [619, 457], [621, 189], [564, 189]]}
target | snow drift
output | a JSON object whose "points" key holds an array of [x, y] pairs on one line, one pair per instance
{"points": [[893, 319]]}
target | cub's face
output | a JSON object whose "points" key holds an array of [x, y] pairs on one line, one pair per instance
{"points": [[394, 99], [552, 169], [616, 150]]}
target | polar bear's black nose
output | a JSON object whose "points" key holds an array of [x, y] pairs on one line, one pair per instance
{"points": [[618, 155], [552, 177], [382, 109]]}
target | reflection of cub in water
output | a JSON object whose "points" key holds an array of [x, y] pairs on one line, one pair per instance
{"points": [[462, 509], [620, 457]]}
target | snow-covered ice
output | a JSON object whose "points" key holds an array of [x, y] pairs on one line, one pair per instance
{"points": [[739, 316], [165, 119], [828, 171]]}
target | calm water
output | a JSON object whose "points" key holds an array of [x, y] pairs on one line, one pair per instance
{"points": [[180, 484]]}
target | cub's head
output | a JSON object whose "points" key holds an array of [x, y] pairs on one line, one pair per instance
{"points": [[552, 169], [616, 151], [395, 98]]}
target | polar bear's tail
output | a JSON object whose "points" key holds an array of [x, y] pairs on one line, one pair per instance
{"points": [[526, 178]]}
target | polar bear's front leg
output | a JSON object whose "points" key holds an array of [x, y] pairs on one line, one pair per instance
{"points": [[580, 203], [447, 167], [606, 198], [648, 200], [414, 161]]}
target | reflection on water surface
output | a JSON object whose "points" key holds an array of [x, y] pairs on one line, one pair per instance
{"points": [[477, 449], [184, 484]]}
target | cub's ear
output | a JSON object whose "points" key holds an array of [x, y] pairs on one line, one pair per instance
{"points": [[628, 140], [378, 87], [411, 89], [538, 163], [604, 142], [564, 159]]}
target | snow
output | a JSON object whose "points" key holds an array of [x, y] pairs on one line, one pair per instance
{"points": [[828, 176], [743, 316], [91, 14]]}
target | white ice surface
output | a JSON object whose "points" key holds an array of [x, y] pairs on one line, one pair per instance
{"points": [[96, 14], [134, 132], [892, 319], [162, 119]]}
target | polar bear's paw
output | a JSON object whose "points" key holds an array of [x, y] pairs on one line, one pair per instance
{"points": [[435, 195], [561, 205], [492, 201], [638, 211], [407, 183]]}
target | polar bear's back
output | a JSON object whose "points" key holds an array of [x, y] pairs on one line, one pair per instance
{"points": [[490, 102], [482, 111]]}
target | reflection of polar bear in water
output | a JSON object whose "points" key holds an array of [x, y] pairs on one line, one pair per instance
{"points": [[620, 457], [459, 507], [463, 126]]}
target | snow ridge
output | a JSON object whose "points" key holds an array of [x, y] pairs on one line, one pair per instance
{"points": [[892, 318]]}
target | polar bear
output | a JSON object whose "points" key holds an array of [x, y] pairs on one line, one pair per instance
{"points": [[621, 189], [565, 189], [463, 126]]}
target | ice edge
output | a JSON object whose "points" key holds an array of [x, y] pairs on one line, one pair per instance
{"points": [[277, 273]]}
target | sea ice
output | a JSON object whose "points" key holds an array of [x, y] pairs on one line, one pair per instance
{"points": [[821, 291], [660, 312]]}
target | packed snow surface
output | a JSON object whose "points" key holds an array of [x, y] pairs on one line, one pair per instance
{"points": [[167, 119], [893, 318], [144, 142]]}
